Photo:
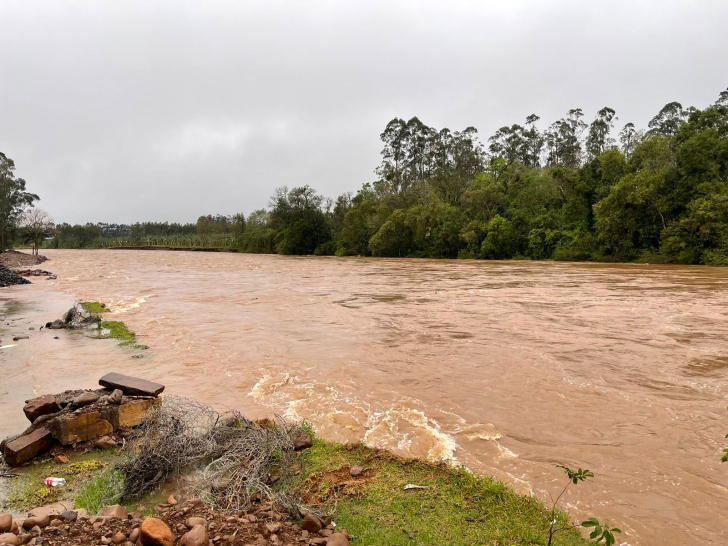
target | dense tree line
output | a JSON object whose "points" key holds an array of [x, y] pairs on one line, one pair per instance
{"points": [[572, 191]]}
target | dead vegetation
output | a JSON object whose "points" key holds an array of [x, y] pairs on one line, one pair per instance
{"points": [[238, 460]]}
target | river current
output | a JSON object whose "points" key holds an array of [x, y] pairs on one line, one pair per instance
{"points": [[506, 367]]}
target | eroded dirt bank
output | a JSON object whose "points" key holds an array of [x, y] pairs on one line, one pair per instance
{"points": [[508, 368]]}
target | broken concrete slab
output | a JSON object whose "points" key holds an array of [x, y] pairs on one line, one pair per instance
{"points": [[134, 386], [23, 449], [43, 405]]}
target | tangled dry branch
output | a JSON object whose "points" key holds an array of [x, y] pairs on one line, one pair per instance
{"points": [[239, 458]]}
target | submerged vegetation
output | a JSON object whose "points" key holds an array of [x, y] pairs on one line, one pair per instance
{"points": [[114, 329], [570, 192]]}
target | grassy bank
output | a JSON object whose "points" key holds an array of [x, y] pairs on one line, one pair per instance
{"points": [[451, 506]]}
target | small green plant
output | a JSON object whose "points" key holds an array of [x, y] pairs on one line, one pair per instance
{"points": [[106, 488], [601, 532]]}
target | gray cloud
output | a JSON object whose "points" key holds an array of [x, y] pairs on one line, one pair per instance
{"points": [[127, 111]]}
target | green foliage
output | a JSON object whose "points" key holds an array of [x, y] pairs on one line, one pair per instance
{"points": [[564, 193], [601, 532], [13, 200]]}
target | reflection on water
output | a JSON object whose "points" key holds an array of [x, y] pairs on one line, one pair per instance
{"points": [[508, 368]]}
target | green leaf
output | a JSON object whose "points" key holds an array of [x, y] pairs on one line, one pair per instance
{"points": [[595, 533], [591, 522], [615, 530]]}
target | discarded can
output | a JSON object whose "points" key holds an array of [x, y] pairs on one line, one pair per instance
{"points": [[54, 482]]}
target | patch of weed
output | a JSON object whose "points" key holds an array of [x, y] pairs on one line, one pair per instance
{"points": [[105, 488]]}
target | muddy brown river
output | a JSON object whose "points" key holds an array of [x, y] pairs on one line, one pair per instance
{"points": [[506, 367]]}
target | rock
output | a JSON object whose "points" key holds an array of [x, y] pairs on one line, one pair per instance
{"points": [[43, 405], [274, 527], [70, 429], [18, 338], [23, 449], [195, 502], [134, 536], [105, 442], [114, 511], [154, 532], [196, 537], [115, 397], [85, 399], [39, 521], [302, 440], [338, 539], [356, 471], [171, 500], [105, 540], [57, 523], [9, 538], [129, 415], [69, 515], [15, 529], [311, 523], [119, 538], [57, 324], [192, 522], [131, 385], [6, 523], [61, 459]]}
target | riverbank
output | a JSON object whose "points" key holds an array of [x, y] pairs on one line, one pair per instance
{"points": [[125, 446]]}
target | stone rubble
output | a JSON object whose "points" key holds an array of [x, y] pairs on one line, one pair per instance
{"points": [[72, 417]]}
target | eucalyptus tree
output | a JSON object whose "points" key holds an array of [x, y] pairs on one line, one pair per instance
{"points": [[598, 139]]}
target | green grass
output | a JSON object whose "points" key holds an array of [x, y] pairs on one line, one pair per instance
{"points": [[104, 489], [456, 507], [28, 490], [119, 330], [94, 307]]}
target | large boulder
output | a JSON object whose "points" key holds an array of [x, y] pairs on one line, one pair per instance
{"points": [[23, 449], [43, 405], [6, 523], [133, 386], [154, 532]]}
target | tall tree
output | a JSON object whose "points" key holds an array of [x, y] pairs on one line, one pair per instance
{"points": [[668, 120], [598, 140], [13, 199]]}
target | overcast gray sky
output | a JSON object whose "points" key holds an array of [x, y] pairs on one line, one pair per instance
{"points": [[166, 110]]}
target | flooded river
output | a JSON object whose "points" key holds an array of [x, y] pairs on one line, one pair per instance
{"points": [[506, 367]]}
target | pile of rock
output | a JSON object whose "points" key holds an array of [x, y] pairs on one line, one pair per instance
{"points": [[10, 278], [36, 273], [191, 524], [72, 417]]}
